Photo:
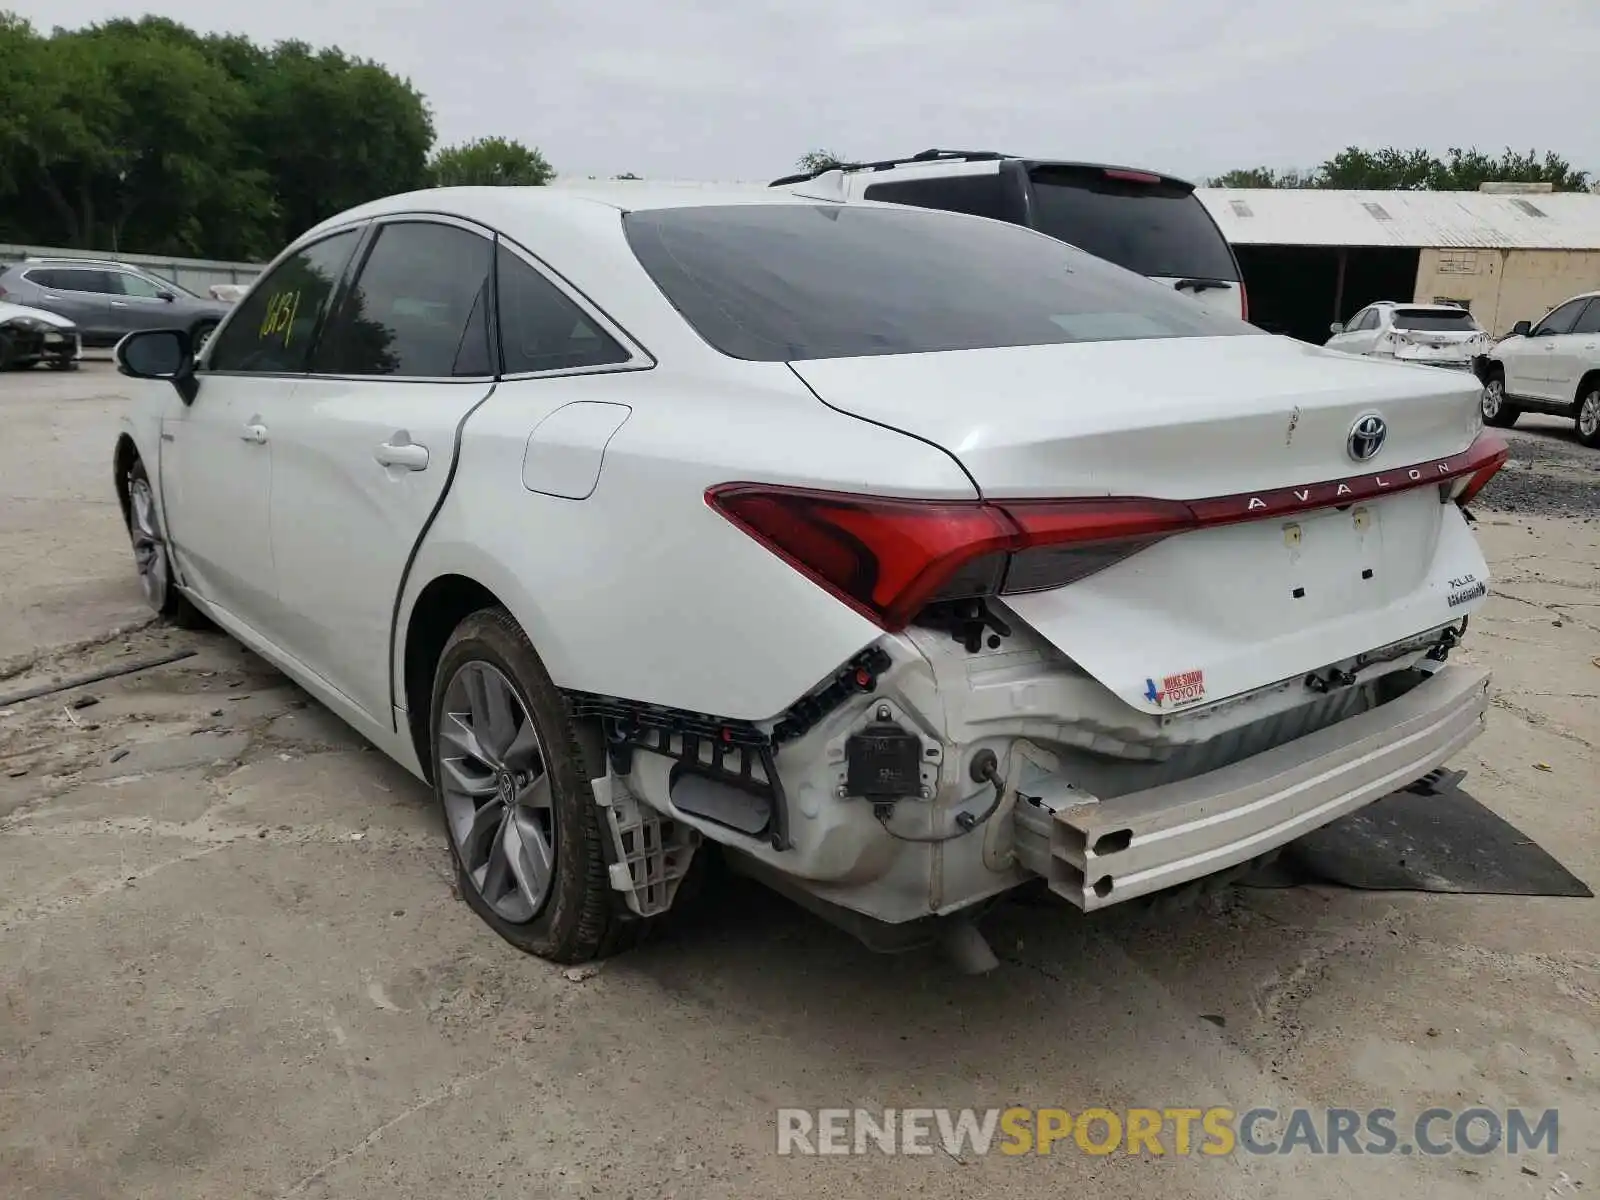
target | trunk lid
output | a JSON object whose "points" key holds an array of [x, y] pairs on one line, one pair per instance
{"points": [[1220, 611]]}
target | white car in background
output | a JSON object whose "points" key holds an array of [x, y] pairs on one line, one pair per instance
{"points": [[906, 556], [1433, 335], [1552, 366]]}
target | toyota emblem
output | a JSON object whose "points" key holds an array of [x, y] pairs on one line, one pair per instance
{"points": [[1366, 437]]}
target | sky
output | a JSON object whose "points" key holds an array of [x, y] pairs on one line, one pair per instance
{"points": [[737, 90]]}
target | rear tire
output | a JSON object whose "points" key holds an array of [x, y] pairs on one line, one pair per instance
{"points": [[1588, 419], [150, 555], [525, 833], [1496, 409]]}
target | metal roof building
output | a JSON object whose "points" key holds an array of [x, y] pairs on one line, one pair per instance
{"points": [[1470, 220], [1312, 256]]}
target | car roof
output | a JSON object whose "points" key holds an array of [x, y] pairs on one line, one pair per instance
{"points": [[495, 205], [70, 261]]}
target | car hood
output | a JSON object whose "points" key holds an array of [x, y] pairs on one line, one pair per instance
{"points": [[10, 312]]}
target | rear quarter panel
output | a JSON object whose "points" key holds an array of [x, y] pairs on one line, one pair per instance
{"points": [[642, 591]]}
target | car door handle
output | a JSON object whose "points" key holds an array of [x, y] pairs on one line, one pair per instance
{"points": [[119, 304], [255, 433], [407, 455]]}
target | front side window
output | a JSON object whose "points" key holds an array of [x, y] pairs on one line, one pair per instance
{"points": [[417, 308], [789, 282], [137, 285], [541, 329], [1589, 322], [272, 329], [1561, 320]]}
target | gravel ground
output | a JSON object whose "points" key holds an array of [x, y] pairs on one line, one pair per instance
{"points": [[232, 963], [1550, 473]]}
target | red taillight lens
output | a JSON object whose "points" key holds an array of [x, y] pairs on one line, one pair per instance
{"points": [[1244, 302], [887, 558], [890, 558], [1487, 455]]}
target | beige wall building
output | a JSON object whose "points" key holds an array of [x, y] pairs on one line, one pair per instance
{"points": [[1311, 257]]}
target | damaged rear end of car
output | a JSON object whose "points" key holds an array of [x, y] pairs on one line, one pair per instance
{"points": [[1201, 602]]}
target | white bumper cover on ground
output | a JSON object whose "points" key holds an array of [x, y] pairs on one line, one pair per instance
{"points": [[1103, 852]]}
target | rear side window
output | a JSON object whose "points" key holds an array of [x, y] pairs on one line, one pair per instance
{"points": [[73, 279], [979, 195], [1434, 320], [418, 307], [542, 330], [271, 330], [1155, 228], [787, 282]]}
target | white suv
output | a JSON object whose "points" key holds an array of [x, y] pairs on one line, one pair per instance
{"points": [[1435, 335], [1551, 367], [1149, 223]]}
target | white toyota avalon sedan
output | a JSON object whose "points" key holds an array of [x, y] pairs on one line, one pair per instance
{"points": [[901, 556]]}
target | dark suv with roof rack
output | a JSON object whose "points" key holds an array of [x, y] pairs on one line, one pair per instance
{"points": [[1141, 220]]}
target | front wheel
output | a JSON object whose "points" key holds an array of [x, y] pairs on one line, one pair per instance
{"points": [[1497, 410], [524, 829], [1589, 418], [150, 555]]}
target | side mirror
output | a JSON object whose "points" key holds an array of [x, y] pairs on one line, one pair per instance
{"points": [[160, 354], [167, 296], [1336, 327], [1521, 329]]}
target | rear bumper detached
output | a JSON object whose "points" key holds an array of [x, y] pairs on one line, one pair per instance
{"points": [[1100, 853]]}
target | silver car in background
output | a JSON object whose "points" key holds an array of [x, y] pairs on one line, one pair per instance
{"points": [[108, 300]]}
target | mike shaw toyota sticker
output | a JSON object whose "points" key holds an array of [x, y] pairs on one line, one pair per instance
{"points": [[1176, 691]]}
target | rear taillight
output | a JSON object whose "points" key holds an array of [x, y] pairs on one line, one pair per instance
{"points": [[1244, 302], [890, 558], [1491, 456]]}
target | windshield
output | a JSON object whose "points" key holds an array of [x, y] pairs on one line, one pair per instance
{"points": [[1435, 320], [788, 282], [1155, 228]]}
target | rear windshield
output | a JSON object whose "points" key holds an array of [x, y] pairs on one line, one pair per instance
{"points": [[787, 282], [1154, 228], [1436, 320]]}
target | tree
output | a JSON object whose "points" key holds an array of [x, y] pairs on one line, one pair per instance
{"points": [[490, 161], [814, 161], [1392, 169], [146, 136], [1261, 177]]}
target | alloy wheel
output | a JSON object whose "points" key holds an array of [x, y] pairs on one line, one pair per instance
{"points": [[1589, 415], [496, 791], [1494, 394]]}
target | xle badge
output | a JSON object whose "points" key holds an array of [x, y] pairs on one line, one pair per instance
{"points": [[1176, 691]]}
